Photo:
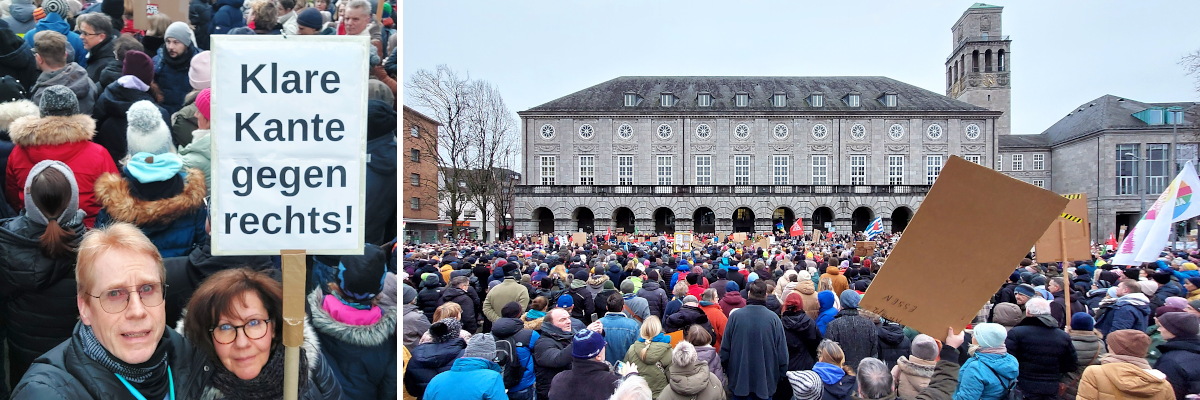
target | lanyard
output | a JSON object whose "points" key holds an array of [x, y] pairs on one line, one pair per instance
{"points": [[138, 395]]}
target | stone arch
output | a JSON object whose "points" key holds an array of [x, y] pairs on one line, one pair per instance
{"points": [[543, 218], [743, 219], [704, 220], [782, 219], [624, 219], [900, 218], [664, 220], [820, 216], [585, 220], [861, 217]]}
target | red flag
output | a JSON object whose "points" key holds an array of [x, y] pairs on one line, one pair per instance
{"points": [[1112, 240], [797, 228], [608, 234]]}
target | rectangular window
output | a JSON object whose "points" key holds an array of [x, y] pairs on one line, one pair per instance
{"points": [[933, 168], [895, 170], [414, 132], [704, 100], [469, 214], [1156, 168], [741, 170], [414, 155], [999, 162], [889, 100], [1127, 168], [820, 170], [779, 100], [975, 158], [1185, 153], [816, 100], [703, 170], [414, 203], [668, 99], [779, 170], [587, 170], [1039, 162], [630, 99], [858, 170], [548, 163], [1039, 183], [664, 170], [624, 170], [852, 100], [743, 100], [415, 179], [1018, 162]]}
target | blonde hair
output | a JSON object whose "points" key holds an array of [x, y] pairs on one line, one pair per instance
{"points": [[448, 310], [116, 236], [651, 327], [158, 25], [826, 284], [830, 352], [681, 289]]}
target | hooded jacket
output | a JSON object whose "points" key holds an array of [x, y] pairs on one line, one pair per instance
{"points": [[1043, 352], [693, 381], [20, 16], [428, 360], [808, 293], [470, 306], [976, 381], [174, 224], [73, 77], [40, 291], [912, 375], [840, 283], [1178, 361], [1131, 311], [1121, 380], [228, 16], [733, 300], [686, 317], [505, 328], [708, 354], [16, 60], [1088, 350], [551, 356], [66, 139], [654, 365], [507, 292], [802, 340], [363, 355], [468, 378], [857, 335], [892, 343], [415, 324], [56, 23], [828, 312], [111, 122], [837, 384]]}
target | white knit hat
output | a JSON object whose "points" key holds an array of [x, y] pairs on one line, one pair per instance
{"points": [[147, 132]]}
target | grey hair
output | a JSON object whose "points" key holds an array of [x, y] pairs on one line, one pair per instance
{"points": [[874, 379], [633, 388], [98, 21], [359, 5], [1037, 306], [685, 354], [709, 294]]}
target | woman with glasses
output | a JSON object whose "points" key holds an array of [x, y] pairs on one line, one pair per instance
{"points": [[37, 265], [120, 349], [235, 317]]}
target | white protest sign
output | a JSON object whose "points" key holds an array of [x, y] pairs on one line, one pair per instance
{"points": [[289, 144]]}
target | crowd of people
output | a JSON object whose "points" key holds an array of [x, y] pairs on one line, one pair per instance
{"points": [[105, 139], [642, 318]]}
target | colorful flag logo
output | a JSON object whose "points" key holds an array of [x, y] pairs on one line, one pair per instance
{"points": [[875, 228]]}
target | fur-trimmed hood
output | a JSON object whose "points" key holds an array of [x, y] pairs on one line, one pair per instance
{"points": [[12, 110], [34, 130], [359, 335], [112, 191]]}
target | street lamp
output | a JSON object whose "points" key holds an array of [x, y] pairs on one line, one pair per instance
{"points": [[1141, 177]]}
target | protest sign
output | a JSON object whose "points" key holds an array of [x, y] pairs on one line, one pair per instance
{"points": [[739, 237], [622, 238], [683, 242], [864, 249], [288, 177], [914, 286], [1068, 237], [176, 10], [578, 239], [764, 243]]}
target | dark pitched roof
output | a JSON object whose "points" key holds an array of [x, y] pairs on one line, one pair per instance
{"points": [[1023, 141], [609, 96], [1111, 112]]}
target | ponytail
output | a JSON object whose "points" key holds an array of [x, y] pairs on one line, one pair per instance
{"points": [[57, 242]]}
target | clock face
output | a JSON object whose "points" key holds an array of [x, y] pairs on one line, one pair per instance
{"points": [[989, 81]]}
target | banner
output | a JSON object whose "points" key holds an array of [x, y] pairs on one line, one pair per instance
{"points": [[797, 228], [1149, 236], [289, 163]]}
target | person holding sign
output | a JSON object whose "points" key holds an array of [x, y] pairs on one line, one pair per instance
{"points": [[236, 318], [121, 347]]}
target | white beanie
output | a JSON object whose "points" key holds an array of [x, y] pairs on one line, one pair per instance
{"points": [[147, 132]]}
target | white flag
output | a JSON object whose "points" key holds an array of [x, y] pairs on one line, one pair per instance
{"points": [[1148, 238]]}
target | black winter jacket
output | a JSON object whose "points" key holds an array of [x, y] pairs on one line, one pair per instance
{"points": [[427, 361], [551, 355], [585, 304], [100, 57], [686, 317], [1043, 352], [469, 301], [1178, 361], [111, 122], [38, 292], [893, 344], [586, 380], [16, 60], [802, 339], [363, 355], [428, 299], [655, 297]]}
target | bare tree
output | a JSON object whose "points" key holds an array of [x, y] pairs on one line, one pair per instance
{"points": [[1191, 66], [492, 129], [446, 95]]}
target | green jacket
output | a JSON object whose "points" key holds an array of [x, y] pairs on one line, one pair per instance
{"points": [[654, 367], [1156, 339], [197, 155]]}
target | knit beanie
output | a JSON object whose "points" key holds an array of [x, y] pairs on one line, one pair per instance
{"points": [[731, 286], [849, 299], [1177, 302], [59, 7], [482, 346], [200, 72], [180, 31], [139, 65], [587, 344], [1195, 281], [11, 89], [445, 330], [925, 347], [1158, 312], [1025, 290], [794, 302], [204, 103], [360, 277], [990, 335], [608, 285], [628, 286], [1082, 322], [410, 294], [39, 13], [146, 131], [310, 17], [806, 385], [565, 301], [1195, 304], [1128, 342], [1180, 324], [58, 101]]}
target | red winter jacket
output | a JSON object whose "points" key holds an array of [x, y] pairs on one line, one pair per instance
{"points": [[66, 139]]}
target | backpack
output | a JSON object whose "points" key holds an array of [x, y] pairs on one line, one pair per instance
{"points": [[1012, 392], [511, 367]]}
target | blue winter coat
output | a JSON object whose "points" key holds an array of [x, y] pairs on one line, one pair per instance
{"points": [[828, 312], [1131, 311], [54, 22], [173, 82], [174, 224], [228, 16], [470, 378], [363, 357], [977, 382], [430, 359], [505, 328]]}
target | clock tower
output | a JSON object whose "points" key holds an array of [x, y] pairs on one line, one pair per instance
{"points": [[977, 71]]}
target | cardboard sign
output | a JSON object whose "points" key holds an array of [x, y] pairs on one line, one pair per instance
{"points": [[739, 237], [578, 239], [288, 177], [721, 236], [622, 238], [919, 287], [764, 243], [864, 249], [545, 241], [1068, 237], [816, 235], [683, 242], [176, 10]]}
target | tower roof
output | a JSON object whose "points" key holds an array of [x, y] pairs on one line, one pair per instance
{"points": [[983, 5]]}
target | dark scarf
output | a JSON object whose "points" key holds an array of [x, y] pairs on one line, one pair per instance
{"points": [[267, 385], [152, 191], [183, 62], [150, 378]]}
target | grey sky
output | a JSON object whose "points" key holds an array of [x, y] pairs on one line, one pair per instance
{"points": [[1063, 53]]}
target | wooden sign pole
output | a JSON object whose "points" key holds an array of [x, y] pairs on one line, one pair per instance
{"points": [[1062, 240], [294, 275]]}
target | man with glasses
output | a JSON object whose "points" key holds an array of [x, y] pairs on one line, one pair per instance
{"points": [[121, 347], [95, 29]]}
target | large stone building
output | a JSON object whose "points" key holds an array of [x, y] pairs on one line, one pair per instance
{"points": [[420, 187], [657, 154]]}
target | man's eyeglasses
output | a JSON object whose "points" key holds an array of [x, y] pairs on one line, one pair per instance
{"points": [[83, 33], [117, 299], [253, 329]]}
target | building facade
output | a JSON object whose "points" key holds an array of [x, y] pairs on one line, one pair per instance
{"points": [[420, 186]]}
